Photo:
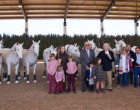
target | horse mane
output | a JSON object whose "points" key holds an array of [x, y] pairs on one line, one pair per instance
{"points": [[32, 47], [14, 46]]}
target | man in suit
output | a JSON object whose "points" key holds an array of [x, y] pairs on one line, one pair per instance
{"points": [[137, 68], [131, 55], [87, 55], [107, 58]]}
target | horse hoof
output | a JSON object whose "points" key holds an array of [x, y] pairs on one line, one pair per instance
{"points": [[8, 82], [27, 82], [19, 78], [25, 78], [35, 81], [16, 82], [44, 77]]}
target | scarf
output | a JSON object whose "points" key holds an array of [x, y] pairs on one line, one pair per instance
{"points": [[121, 64]]}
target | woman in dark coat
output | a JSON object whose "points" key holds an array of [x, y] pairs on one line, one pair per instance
{"points": [[62, 58]]}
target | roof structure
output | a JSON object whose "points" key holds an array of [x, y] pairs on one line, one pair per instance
{"points": [[85, 9]]}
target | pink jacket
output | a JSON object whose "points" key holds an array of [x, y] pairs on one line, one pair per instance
{"points": [[59, 76], [71, 67], [52, 66]]}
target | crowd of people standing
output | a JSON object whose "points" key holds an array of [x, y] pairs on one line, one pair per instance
{"points": [[95, 70]]}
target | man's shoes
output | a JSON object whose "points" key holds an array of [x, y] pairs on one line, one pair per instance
{"points": [[110, 90], [83, 90]]}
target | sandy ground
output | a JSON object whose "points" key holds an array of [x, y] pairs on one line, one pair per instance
{"points": [[32, 96]]}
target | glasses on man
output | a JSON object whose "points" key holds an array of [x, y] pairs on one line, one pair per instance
{"points": [[87, 45]]}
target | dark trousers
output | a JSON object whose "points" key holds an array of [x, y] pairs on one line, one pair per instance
{"points": [[64, 83], [83, 79], [130, 77], [71, 81], [59, 86], [91, 88], [52, 83], [124, 77], [136, 74]]}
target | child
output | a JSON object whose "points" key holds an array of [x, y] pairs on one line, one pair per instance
{"points": [[90, 77], [60, 79], [51, 68], [71, 70], [99, 75], [122, 66]]}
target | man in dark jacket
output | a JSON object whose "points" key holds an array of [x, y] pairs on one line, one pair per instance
{"points": [[107, 58], [86, 56], [132, 55]]}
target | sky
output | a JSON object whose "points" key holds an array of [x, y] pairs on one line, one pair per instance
{"points": [[74, 26]]}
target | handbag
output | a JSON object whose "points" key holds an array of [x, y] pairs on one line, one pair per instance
{"points": [[130, 64]]}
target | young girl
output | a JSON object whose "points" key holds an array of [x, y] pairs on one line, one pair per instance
{"points": [[71, 70], [90, 77], [51, 68], [122, 66], [99, 75], [60, 79]]}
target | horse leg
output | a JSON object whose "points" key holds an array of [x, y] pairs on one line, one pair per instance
{"points": [[9, 73], [24, 73], [27, 68], [16, 72], [19, 76], [44, 74], [4, 73], [34, 71]]}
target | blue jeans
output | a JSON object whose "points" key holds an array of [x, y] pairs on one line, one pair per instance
{"points": [[136, 73], [130, 77], [124, 80]]}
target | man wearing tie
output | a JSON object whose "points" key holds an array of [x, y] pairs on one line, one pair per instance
{"points": [[87, 55]]}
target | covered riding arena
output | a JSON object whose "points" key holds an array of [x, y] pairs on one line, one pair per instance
{"points": [[34, 96]]}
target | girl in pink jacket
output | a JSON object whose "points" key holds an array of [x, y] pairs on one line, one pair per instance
{"points": [[71, 69], [60, 79], [51, 69]]}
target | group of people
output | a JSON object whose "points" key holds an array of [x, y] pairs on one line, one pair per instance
{"points": [[62, 68]]}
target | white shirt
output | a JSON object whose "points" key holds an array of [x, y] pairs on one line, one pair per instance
{"points": [[124, 64], [138, 58], [87, 50]]}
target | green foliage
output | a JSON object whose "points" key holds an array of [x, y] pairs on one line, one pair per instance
{"points": [[57, 40]]}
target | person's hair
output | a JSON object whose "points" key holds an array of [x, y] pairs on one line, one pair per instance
{"points": [[128, 45], [137, 48], [52, 55], [91, 63], [123, 48], [59, 49], [70, 56], [59, 68], [96, 61], [106, 44]]}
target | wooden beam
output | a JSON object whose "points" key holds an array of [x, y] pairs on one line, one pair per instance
{"points": [[108, 9], [23, 10], [66, 11]]}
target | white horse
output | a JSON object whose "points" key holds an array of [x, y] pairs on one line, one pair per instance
{"points": [[73, 50], [30, 57], [46, 56], [11, 57], [96, 49], [1, 46]]}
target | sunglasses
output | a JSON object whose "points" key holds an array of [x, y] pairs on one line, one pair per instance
{"points": [[87, 45]]}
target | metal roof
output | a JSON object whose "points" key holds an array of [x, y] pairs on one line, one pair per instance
{"points": [[93, 9]]}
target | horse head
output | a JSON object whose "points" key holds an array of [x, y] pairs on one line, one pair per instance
{"points": [[36, 47], [93, 45], [18, 49]]}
